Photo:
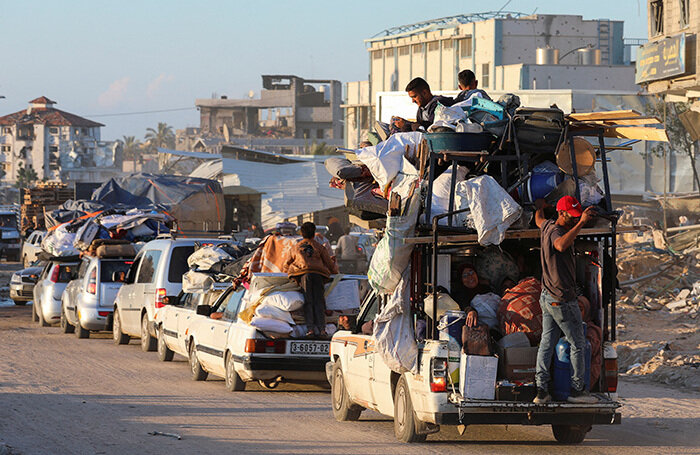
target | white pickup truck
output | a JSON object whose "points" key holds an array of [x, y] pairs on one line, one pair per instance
{"points": [[421, 402]]}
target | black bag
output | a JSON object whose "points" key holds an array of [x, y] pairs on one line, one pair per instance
{"points": [[538, 130]]}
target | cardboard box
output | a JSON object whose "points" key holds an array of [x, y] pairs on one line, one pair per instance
{"points": [[477, 376], [518, 364]]}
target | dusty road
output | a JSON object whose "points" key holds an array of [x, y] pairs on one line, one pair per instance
{"points": [[59, 394]]}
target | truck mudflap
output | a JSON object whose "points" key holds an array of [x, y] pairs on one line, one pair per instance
{"points": [[485, 412]]}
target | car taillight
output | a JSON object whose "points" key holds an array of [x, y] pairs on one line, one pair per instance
{"points": [[610, 363], [54, 274], [438, 376], [160, 298], [104, 314], [255, 346], [92, 283]]}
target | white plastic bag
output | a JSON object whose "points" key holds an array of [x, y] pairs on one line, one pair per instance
{"points": [[385, 159], [440, 201], [272, 312], [59, 242], [447, 116], [286, 301], [206, 257], [345, 295], [271, 325], [196, 282], [486, 306]]}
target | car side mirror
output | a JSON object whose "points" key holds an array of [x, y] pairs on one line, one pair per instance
{"points": [[204, 310]]}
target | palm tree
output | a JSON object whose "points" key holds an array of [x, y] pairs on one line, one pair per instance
{"points": [[131, 147], [162, 136], [26, 176]]}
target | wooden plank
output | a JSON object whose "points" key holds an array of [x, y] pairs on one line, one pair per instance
{"points": [[604, 115], [514, 234], [632, 121], [636, 132]]}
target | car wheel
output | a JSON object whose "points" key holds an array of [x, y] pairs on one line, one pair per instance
{"points": [[80, 332], [570, 434], [198, 373], [343, 408], [35, 317], [148, 343], [20, 302], [117, 335], [165, 354], [405, 422], [233, 381], [42, 321], [66, 327]]}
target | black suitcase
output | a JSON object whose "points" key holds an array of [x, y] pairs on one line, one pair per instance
{"points": [[538, 130]]}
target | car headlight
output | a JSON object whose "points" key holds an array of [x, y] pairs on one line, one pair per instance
{"points": [[16, 279]]}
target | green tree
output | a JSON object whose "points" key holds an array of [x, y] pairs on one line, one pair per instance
{"points": [[321, 149], [26, 176], [162, 136], [132, 147]]}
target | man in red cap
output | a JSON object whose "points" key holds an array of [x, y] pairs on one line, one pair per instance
{"points": [[560, 312]]}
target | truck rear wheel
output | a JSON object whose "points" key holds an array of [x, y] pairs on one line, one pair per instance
{"points": [[343, 408], [570, 434], [405, 421]]}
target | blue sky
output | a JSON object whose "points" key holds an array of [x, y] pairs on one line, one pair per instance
{"points": [[105, 57]]}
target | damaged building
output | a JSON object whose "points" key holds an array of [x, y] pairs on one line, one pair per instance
{"points": [[291, 114], [58, 145]]}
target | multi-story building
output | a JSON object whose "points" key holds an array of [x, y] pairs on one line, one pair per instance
{"points": [[507, 51], [55, 143]]}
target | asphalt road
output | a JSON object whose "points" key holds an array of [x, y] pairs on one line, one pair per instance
{"points": [[63, 395]]}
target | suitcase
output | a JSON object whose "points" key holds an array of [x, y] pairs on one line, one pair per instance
{"points": [[515, 392], [538, 130]]}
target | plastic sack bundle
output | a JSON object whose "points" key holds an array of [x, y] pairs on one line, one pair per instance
{"points": [[440, 201], [59, 242], [385, 159], [491, 207], [393, 329], [392, 254], [345, 295], [486, 306], [196, 282], [285, 301], [205, 258], [447, 117], [271, 325], [272, 312]]}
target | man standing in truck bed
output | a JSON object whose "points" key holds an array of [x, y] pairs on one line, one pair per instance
{"points": [[560, 311]]}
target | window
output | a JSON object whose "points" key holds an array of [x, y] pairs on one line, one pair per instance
{"points": [[376, 55], [417, 48], [7, 130], [131, 276], [319, 133], [403, 50], [447, 45], [178, 263], [685, 13], [6, 148], [370, 311], [83, 268], [53, 130], [485, 80], [149, 264], [67, 273], [433, 45], [107, 269], [389, 53], [465, 47], [656, 17], [232, 304], [187, 301]]}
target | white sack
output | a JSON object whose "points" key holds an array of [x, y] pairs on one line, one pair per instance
{"points": [[206, 257], [271, 312], [486, 306], [447, 116], [440, 201], [385, 159], [344, 296], [393, 330], [59, 242], [271, 325], [286, 301], [492, 209], [196, 282], [392, 254]]}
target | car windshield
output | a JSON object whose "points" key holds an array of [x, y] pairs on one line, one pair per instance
{"points": [[107, 269], [8, 221]]}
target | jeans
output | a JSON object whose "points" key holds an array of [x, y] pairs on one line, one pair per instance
{"points": [[564, 317], [314, 302]]}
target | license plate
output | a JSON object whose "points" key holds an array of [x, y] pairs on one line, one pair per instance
{"points": [[309, 348]]}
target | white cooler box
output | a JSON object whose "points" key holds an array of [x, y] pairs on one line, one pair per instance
{"points": [[477, 376]]}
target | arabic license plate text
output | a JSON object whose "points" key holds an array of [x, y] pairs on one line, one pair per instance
{"points": [[309, 348]]}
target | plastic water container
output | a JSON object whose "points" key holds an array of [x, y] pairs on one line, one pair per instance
{"points": [[450, 328], [563, 369], [540, 185]]}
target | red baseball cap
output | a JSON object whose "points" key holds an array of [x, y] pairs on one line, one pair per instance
{"points": [[570, 205]]}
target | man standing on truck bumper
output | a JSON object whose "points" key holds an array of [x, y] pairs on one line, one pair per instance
{"points": [[560, 311]]}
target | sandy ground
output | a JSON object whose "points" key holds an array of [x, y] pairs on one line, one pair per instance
{"points": [[59, 394]]}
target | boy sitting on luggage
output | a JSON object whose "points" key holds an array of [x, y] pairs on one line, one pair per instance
{"points": [[310, 265]]}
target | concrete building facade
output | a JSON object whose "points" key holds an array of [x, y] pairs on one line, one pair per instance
{"points": [[56, 144]]}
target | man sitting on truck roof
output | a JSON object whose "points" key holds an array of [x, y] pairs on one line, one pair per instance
{"points": [[419, 92], [309, 264], [560, 311], [468, 86]]}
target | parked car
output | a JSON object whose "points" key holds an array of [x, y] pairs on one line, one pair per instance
{"points": [[154, 278], [22, 284], [174, 320], [88, 301], [32, 247], [54, 278], [10, 240]]}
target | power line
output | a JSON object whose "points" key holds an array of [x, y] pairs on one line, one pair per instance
{"points": [[121, 114]]}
